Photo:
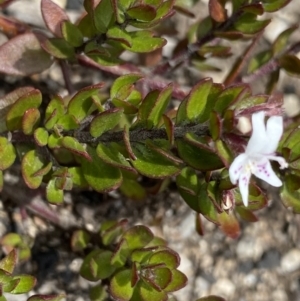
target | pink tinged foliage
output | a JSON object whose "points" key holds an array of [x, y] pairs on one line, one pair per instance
{"points": [[259, 151], [23, 55]]}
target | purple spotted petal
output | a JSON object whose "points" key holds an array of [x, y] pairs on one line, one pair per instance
{"points": [[244, 186], [237, 167], [265, 172]]}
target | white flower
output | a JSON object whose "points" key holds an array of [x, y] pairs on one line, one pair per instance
{"points": [[259, 151]]}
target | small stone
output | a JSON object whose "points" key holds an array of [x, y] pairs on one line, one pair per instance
{"points": [[249, 248], [291, 105], [250, 280], [75, 265], [201, 287], [290, 262], [223, 287]]}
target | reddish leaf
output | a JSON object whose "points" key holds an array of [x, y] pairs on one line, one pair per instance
{"points": [[217, 11], [23, 56], [12, 27], [229, 224], [53, 16]]}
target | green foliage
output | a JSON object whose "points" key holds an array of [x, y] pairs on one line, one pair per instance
{"points": [[110, 139], [138, 266]]}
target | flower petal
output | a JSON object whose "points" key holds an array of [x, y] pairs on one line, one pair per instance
{"points": [[263, 170], [259, 137], [283, 164], [244, 186], [237, 167], [274, 132]]}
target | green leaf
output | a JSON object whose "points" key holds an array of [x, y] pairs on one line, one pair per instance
{"points": [[246, 214], [132, 189], [41, 136], [166, 256], [198, 155], [224, 152], [77, 177], [142, 12], [80, 240], [59, 48], [281, 41], [148, 293], [112, 156], [290, 194], [105, 121], [144, 41], [30, 121], [230, 96], [138, 237], [53, 194], [249, 24], [7, 281], [290, 63], [96, 265], [229, 224], [249, 102], [197, 99], [119, 34], [259, 59], [100, 176], [81, 103], [54, 111], [98, 293], [206, 205], [32, 162], [87, 27], [7, 153], [104, 267], [179, 280], [153, 164], [54, 141], [212, 97], [274, 5], [9, 261], [30, 100], [120, 285], [106, 56], [164, 9], [71, 34], [6, 103], [75, 147], [25, 284], [120, 255], [127, 105], [11, 239], [121, 88], [188, 186], [111, 230], [103, 16], [67, 122], [154, 105], [142, 255], [215, 125]]}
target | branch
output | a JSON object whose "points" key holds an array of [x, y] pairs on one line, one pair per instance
{"points": [[185, 54], [136, 135], [270, 66]]}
